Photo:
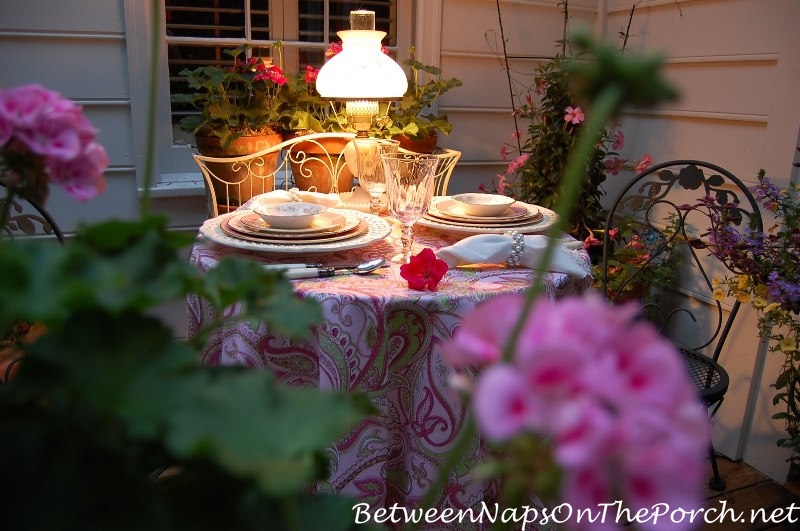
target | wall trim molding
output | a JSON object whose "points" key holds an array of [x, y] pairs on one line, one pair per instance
{"points": [[699, 115], [58, 35]]}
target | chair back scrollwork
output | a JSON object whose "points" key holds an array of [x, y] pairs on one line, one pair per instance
{"points": [[231, 181], [674, 206], [28, 218]]}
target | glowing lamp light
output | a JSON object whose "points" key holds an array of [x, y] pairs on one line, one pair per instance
{"points": [[361, 75], [361, 71]]}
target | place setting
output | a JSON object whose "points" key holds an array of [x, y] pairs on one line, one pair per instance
{"points": [[480, 213], [295, 227]]}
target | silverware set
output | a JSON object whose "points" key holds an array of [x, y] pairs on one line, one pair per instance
{"points": [[318, 270]]}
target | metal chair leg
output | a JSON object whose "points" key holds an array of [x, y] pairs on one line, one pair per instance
{"points": [[716, 482]]}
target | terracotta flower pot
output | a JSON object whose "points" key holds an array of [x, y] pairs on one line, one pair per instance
{"points": [[320, 165], [425, 145]]}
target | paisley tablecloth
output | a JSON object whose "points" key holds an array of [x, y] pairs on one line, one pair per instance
{"points": [[381, 337]]}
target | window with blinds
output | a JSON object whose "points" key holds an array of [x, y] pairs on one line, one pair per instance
{"points": [[198, 32]]}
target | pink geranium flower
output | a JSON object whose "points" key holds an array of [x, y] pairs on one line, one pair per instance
{"points": [[506, 408], [480, 341], [46, 131], [574, 115], [609, 391]]}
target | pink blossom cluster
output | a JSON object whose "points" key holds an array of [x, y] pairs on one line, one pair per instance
{"points": [[39, 122], [614, 165], [609, 392]]}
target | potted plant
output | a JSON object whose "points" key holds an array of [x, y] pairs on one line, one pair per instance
{"points": [[241, 111], [766, 275], [407, 119], [637, 267], [538, 154], [306, 112]]}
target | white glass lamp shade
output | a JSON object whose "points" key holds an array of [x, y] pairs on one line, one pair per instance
{"points": [[361, 71]]}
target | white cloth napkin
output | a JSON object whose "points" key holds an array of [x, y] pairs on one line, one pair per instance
{"points": [[496, 249], [294, 194]]}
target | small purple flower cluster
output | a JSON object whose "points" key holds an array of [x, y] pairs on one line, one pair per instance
{"points": [[771, 258]]}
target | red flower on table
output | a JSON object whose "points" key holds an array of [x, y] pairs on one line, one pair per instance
{"points": [[424, 270]]}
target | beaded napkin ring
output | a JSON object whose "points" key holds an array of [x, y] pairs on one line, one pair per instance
{"points": [[517, 247]]}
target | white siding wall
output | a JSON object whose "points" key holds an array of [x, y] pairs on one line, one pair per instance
{"points": [[736, 62], [737, 66]]}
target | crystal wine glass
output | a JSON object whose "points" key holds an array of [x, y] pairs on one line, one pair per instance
{"points": [[370, 167], [409, 188]]}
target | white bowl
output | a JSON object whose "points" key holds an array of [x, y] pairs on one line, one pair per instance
{"points": [[289, 215], [484, 205]]}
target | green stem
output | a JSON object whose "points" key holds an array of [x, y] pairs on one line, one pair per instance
{"points": [[149, 152], [602, 110]]}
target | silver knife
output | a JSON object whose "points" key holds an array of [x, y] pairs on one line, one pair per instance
{"points": [[323, 272], [290, 266]]}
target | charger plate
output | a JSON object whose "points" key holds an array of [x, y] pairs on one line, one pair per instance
{"points": [[376, 230]]}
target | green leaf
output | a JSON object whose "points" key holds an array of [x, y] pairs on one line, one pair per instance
{"points": [[256, 428], [264, 294]]}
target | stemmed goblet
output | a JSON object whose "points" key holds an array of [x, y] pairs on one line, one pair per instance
{"points": [[409, 189], [369, 167]]}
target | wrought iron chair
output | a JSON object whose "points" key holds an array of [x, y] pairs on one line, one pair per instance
{"points": [[668, 206], [305, 161], [26, 219], [448, 158]]}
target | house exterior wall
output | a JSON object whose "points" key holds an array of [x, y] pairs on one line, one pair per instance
{"points": [[737, 67], [735, 61]]}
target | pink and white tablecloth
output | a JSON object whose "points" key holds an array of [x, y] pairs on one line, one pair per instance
{"points": [[383, 338]]}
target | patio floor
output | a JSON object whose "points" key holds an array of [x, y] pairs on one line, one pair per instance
{"points": [[749, 490]]}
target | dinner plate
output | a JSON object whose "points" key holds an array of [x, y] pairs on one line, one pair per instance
{"points": [[377, 229], [534, 226], [360, 228], [438, 215], [324, 222], [447, 208], [499, 224]]}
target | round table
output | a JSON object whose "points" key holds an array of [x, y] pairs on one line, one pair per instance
{"points": [[380, 337]]}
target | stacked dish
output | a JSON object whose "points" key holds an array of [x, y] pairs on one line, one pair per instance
{"points": [[446, 214], [333, 229]]}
